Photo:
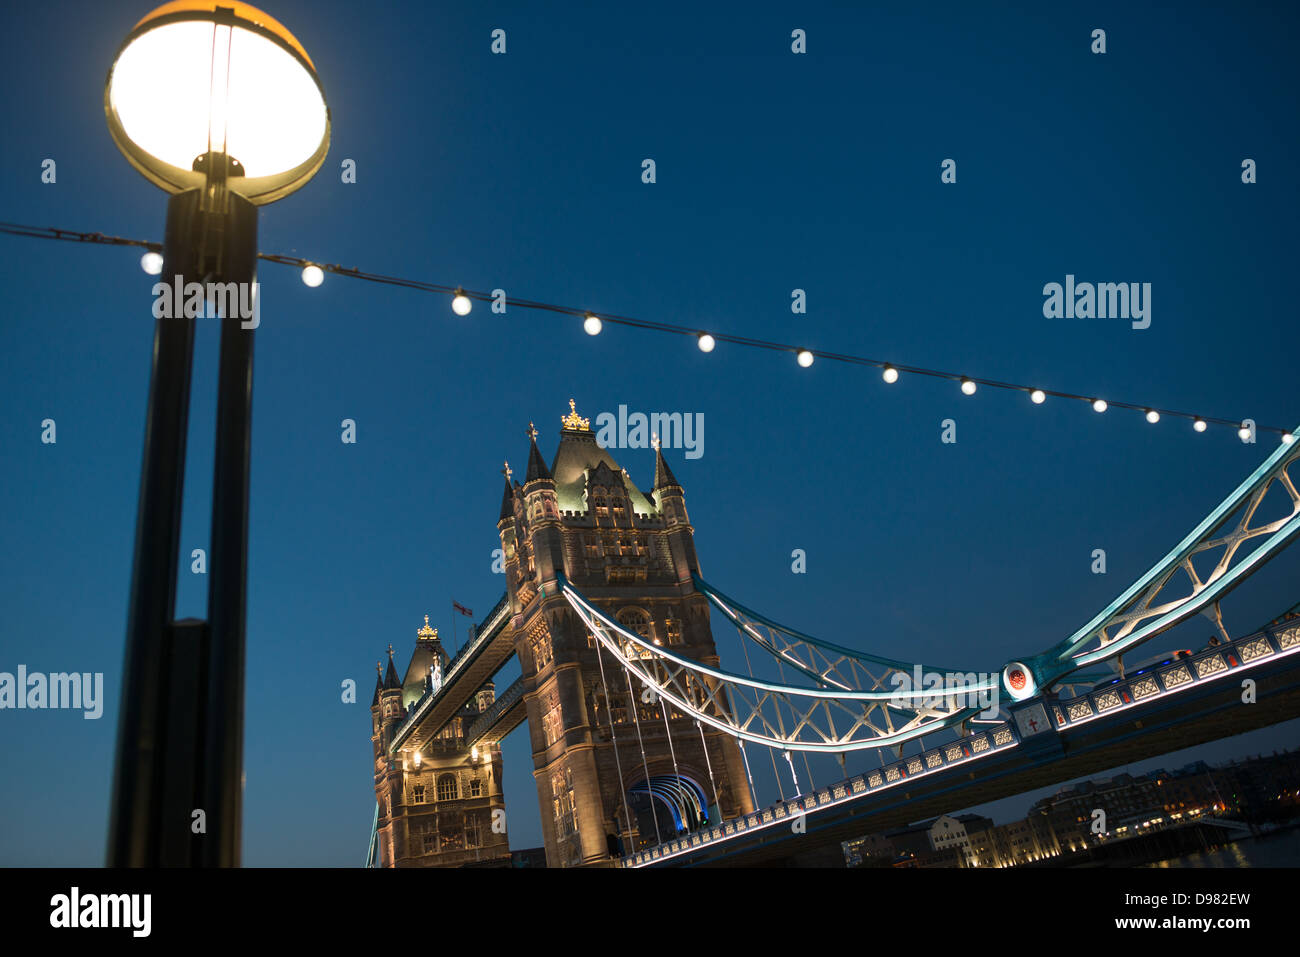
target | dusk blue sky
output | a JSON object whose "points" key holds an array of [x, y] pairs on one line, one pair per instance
{"points": [[775, 171]]}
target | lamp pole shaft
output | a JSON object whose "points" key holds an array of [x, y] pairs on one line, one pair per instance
{"points": [[180, 733], [143, 720]]}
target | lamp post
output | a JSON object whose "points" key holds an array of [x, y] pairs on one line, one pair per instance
{"points": [[219, 105]]}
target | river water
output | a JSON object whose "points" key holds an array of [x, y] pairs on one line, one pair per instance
{"points": [[1273, 850]]}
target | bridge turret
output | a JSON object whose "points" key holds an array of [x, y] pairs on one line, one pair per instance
{"points": [[671, 502], [508, 529], [542, 513], [387, 714]]}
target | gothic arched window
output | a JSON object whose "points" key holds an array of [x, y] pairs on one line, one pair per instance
{"points": [[447, 790]]}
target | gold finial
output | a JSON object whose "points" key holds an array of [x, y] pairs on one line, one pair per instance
{"points": [[379, 668], [575, 421], [390, 651], [507, 471], [426, 631], [532, 432]]}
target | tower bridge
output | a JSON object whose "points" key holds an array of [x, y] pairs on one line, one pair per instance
{"points": [[639, 733]]}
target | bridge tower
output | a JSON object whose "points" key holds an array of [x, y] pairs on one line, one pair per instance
{"points": [[633, 555], [442, 806]]}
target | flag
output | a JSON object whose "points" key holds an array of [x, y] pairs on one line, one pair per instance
{"points": [[462, 609]]}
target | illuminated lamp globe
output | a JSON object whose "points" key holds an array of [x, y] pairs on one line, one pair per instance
{"points": [[312, 275], [1099, 405], [591, 325], [805, 358], [1038, 397], [151, 262], [890, 375], [706, 342], [195, 78], [967, 386], [1153, 416], [1199, 425], [461, 304]]}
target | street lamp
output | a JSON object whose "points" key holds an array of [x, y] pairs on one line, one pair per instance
{"points": [[216, 103]]}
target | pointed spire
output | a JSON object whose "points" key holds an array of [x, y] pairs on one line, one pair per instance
{"points": [[379, 683], [508, 500], [664, 477], [390, 678], [536, 465]]}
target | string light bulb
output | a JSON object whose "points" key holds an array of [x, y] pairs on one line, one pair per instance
{"points": [[1038, 397], [805, 358], [591, 325], [461, 303], [151, 262], [1199, 425], [890, 375], [1287, 438], [1243, 433], [967, 385], [706, 342], [312, 275], [1099, 405], [1153, 416]]}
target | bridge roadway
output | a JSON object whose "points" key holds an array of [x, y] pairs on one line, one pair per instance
{"points": [[480, 659], [1189, 702]]}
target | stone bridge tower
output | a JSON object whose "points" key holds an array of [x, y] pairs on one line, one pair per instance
{"points": [[633, 555]]}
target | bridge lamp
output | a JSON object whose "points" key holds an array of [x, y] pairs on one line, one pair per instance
{"points": [[1153, 416], [417, 758], [706, 342], [1018, 681], [805, 358], [1099, 405], [967, 386], [218, 105], [312, 275], [1287, 439], [1243, 433], [1199, 425], [1038, 397], [890, 374], [591, 324], [460, 303]]}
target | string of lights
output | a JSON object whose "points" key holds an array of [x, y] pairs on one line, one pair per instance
{"points": [[313, 274]]}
